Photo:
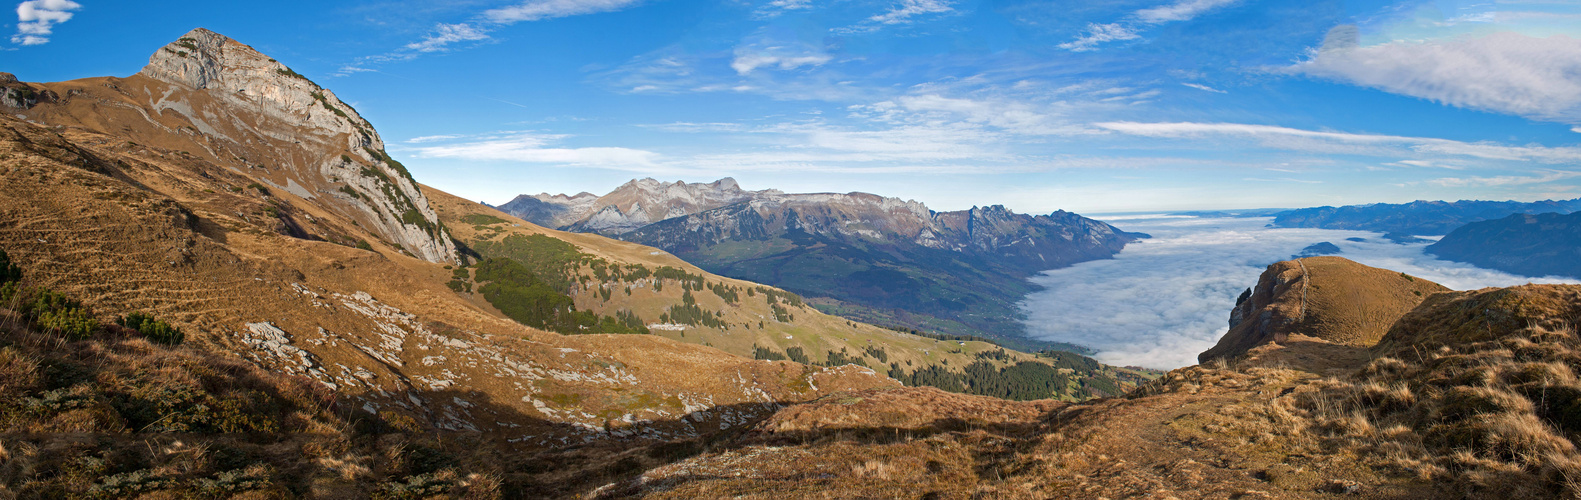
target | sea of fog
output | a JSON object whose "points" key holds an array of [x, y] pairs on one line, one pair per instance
{"points": [[1165, 299]]}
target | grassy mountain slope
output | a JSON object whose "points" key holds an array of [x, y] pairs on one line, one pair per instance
{"points": [[612, 278]]}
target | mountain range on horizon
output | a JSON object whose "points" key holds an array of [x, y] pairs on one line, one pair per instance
{"points": [[1421, 217], [863, 256]]}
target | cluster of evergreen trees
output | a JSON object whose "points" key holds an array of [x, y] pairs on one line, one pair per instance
{"points": [[776, 296], [726, 292], [1022, 381], [530, 300], [947, 337], [796, 354], [689, 313]]}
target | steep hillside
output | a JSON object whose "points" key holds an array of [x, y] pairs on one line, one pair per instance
{"points": [[657, 292], [114, 194], [1320, 299], [1529, 245], [1417, 217], [866, 257]]}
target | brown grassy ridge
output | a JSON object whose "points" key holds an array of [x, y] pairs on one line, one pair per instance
{"points": [[1321, 299]]}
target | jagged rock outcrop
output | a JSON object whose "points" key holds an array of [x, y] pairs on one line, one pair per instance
{"points": [[224, 103], [1328, 299], [341, 145], [16, 94]]}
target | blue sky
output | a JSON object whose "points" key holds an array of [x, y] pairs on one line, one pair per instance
{"points": [[1038, 105]]}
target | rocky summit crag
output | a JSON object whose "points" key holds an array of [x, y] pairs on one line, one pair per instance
{"points": [[867, 257], [218, 100]]}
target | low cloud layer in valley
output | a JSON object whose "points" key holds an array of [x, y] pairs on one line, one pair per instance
{"points": [[1163, 300]]}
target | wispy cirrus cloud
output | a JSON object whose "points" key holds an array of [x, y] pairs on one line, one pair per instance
{"points": [[537, 10], [1509, 73], [36, 20], [1504, 180], [776, 7], [904, 13], [1205, 88], [750, 58], [1131, 26], [445, 36], [529, 147], [1183, 10], [1348, 143]]}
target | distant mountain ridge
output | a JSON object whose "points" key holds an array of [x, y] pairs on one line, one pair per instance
{"points": [[632, 205], [1526, 244], [1417, 217], [864, 256]]}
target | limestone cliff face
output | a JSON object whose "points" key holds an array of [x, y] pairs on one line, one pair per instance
{"points": [[288, 133]]}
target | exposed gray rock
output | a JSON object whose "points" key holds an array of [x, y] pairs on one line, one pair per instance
{"points": [[342, 146]]}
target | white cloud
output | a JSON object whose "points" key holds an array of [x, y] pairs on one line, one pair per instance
{"points": [[1100, 33], [1162, 301], [1538, 78], [748, 59], [911, 8], [1129, 27], [480, 28], [1183, 10], [1199, 86], [536, 10], [1428, 164], [900, 14], [446, 34], [1348, 143], [1011, 113], [432, 138], [777, 7], [1503, 180], [533, 148], [36, 19]]}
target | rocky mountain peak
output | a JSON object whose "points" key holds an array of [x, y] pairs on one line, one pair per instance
{"points": [[203, 59], [232, 93]]}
